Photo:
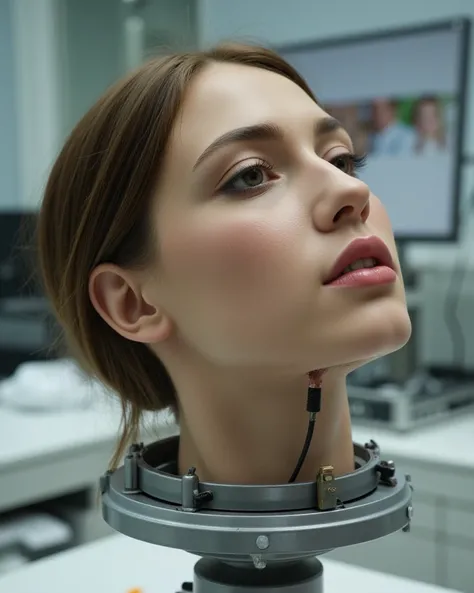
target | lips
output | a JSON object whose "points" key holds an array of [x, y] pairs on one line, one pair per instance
{"points": [[361, 248]]}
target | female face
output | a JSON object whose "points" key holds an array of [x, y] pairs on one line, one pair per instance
{"points": [[257, 202]]}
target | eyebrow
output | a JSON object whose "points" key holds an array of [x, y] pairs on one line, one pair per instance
{"points": [[263, 132]]}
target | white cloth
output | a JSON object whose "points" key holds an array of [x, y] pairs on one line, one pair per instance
{"points": [[49, 385]]}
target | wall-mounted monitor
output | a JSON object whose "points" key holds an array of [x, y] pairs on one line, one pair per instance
{"points": [[401, 95]]}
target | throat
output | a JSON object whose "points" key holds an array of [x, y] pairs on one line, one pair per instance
{"points": [[252, 443]]}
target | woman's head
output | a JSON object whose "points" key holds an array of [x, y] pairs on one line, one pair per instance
{"points": [[190, 224]]}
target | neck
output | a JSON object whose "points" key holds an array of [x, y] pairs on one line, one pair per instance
{"points": [[253, 432]]}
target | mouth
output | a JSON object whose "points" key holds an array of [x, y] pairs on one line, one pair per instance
{"points": [[364, 253]]}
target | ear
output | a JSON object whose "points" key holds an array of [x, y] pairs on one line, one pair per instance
{"points": [[117, 297]]}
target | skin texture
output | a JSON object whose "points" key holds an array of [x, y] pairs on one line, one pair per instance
{"points": [[234, 302]]}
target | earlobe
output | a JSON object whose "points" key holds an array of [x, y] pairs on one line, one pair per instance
{"points": [[116, 296]]}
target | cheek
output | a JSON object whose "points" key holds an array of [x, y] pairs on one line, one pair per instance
{"points": [[380, 220], [234, 257]]}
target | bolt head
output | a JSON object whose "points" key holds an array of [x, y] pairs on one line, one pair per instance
{"points": [[262, 542], [410, 512], [260, 564]]}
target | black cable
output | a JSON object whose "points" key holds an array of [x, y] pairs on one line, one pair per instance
{"points": [[313, 406]]}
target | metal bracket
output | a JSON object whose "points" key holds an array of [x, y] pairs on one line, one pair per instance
{"points": [[104, 482], [372, 446], [386, 470], [131, 468], [326, 489], [191, 498]]}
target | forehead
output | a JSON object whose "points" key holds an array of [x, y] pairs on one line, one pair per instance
{"points": [[228, 96]]}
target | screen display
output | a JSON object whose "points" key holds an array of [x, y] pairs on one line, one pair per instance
{"points": [[399, 97]]}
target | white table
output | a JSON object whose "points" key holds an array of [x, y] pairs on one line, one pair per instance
{"points": [[46, 454], [449, 444], [118, 564]]}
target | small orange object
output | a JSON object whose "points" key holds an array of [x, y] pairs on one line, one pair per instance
{"points": [[136, 590]]}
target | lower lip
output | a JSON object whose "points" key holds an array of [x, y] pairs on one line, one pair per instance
{"points": [[366, 277]]}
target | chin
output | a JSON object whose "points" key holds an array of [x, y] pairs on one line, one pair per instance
{"points": [[386, 330], [375, 332]]}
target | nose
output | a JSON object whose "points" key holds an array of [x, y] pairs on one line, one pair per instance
{"points": [[345, 200]]}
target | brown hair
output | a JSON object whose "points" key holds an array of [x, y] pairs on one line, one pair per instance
{"points": [[95, 210]]}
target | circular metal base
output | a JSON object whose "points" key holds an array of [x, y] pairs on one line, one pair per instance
{"points": [[254, 536], [234, 534]]}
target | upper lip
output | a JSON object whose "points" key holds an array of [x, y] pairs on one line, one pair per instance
{"points": [[361, 248]]}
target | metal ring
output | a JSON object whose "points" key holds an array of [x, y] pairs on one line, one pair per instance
{"points": [[156, 478]]}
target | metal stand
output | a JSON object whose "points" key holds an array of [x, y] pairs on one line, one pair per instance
{"points": [[214, 576], [254, 537]]}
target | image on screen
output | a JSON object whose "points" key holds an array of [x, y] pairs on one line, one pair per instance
{"points": [[400, 97]]}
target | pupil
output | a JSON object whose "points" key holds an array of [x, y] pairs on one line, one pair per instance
{"points": [[253, 177]]}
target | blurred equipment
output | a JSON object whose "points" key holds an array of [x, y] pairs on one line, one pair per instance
{"points": [[27, 536], [26, 324], [446, 332], [25, 332], [424, 399]]}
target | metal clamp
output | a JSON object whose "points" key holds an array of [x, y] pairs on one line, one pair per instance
{"points": [[386, 470], [191, 498], [326, 489], [372, 446], [131, 468]]}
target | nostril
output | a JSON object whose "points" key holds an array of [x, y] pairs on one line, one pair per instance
{"points": [[343, 212]]}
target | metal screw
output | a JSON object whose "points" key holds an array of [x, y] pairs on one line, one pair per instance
{"points": [[262, 542], [372, 446], [258, 562], [407, 527]]}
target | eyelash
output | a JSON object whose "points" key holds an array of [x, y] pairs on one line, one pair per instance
{"points": [[354, 161], [258, 164]]}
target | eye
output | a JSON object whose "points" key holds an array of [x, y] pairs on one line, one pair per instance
{"points": [[251, 177], [349, 163], [248, 178]]}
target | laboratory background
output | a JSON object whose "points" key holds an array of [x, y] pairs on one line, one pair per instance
{"points": [[399, 76]]}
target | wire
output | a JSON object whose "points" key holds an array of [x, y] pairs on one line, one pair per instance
{"points": [[304, 452], [313, 406]]}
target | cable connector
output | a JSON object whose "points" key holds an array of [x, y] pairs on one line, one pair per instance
{"points": [[313, 402]]}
